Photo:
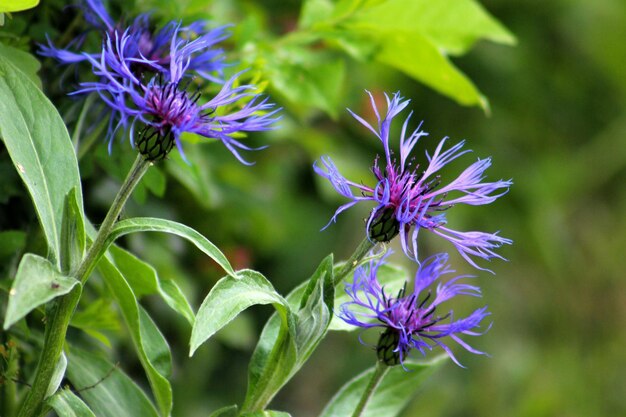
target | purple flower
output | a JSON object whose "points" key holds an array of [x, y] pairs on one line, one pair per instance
{"points": [[164, 104], [409, 198], [410, 319], [145, 42]]}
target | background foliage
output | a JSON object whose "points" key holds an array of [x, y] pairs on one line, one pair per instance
{"points": [[556, 126]]}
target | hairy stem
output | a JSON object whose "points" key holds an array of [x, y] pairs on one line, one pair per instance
{"points": [[379, 372], [62, 308]]}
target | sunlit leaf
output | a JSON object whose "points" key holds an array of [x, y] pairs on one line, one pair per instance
{"points": [[17, 5]]}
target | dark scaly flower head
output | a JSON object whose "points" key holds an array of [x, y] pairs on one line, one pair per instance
{"points": [[165, 106], [146, 42], [409, 199], [411, 320]]}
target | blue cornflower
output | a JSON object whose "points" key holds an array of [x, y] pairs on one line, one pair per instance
{"points": [[146, 43], [163, 104], [408, 199], [410, 319]]}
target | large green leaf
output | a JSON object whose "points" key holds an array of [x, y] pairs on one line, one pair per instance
{"points": [[37, 281], [40, 148], [414, 36], [67, 404], [17, 5], [148, 342], [228, 298], [392, 395], [149, 224], [107, 390]]}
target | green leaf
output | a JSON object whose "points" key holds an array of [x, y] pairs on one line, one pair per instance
{"points": [[144, 280], [316, 311], [66, 404], [57, 376], [37, 281], [415, 55], [148, 224], [24, 61], [40, 148], [17, 5], [307, 78], [394, 278], [230, 411], [107, 390], [99, 316], [314, 11], [392, 395], [150, 346], [267, 413], [228, 298], [313, 302], [453, 26], [155, 345], [72, 234]]}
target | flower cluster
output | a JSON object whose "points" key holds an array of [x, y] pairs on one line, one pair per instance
{"points": [[149, 78], [408, 198]]}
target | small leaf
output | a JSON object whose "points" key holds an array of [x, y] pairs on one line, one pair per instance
{"points": [[37, 281], [149, 224], [108, 391], [57, 376], [266, 413], [142, 334], [230, 411], [392, 395], [17, 5], [72, 234], [40, 148], [66, 404], [228, 298]]}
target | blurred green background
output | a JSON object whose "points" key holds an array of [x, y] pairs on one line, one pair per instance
{"points": [[557, 127]]}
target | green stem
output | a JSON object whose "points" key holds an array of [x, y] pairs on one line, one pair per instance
{"points": [[352, 263], [63, 307], [96, 250], [379, 372]]}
